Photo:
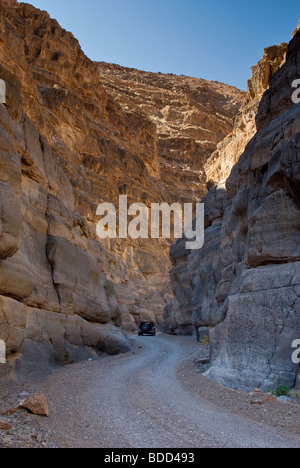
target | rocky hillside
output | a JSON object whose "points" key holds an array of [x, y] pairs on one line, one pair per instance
{"points": [[68, 143], [243, 286]]}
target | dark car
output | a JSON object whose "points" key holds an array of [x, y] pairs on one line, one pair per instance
{"points": [[147, 328]]}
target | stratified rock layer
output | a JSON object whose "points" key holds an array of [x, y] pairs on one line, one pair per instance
{"points": [[244, 285], [191, 117], [66, 145]]}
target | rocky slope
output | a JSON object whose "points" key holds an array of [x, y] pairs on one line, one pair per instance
{"points": [[66, 146], [243, 287]]}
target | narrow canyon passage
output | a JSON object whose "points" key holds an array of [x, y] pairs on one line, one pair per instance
{"points": [[136, 401]]}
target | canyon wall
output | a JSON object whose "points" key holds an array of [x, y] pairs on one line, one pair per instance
{"points": [[243, 287], [190, 116], [68, 143]]}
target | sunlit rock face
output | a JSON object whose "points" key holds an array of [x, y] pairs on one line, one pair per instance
{"points": [[244, 285], [191, 117], [68, 143]]}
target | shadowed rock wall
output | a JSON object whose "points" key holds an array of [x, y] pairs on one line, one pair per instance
{"points": [[244, 283]]}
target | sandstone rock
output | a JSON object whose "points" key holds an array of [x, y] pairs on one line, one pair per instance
{"points": [[273, 59], [5, 426], [74, 134], [191, 116], [112, 340], [221, 162], [36, 404], [245, 280], [209, 287], [52, 339], [11, 216], [261, 398], [12, 324], [258, 351], [11, 411]]}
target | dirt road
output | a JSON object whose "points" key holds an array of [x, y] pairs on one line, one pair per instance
{"points": [[136, 401]]}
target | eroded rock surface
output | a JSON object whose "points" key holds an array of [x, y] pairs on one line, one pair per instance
{"points": [[191, 117], [67, 143], [221, 162], [244, 284]]}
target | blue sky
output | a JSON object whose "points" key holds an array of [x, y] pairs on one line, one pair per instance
{"points": [[209, 39]]}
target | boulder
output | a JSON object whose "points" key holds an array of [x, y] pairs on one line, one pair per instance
{"points": [[5, 426], [261, 398], [36, 404]]}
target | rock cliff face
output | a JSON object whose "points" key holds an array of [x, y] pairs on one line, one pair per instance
{"points": [[219, 165], [244, 285], [66, 146], [191, 117]]}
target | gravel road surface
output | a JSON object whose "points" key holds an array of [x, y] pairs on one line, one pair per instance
{"points": [[136, 400]]}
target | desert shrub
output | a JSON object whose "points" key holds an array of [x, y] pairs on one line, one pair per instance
{"points": [[281, 390]]}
